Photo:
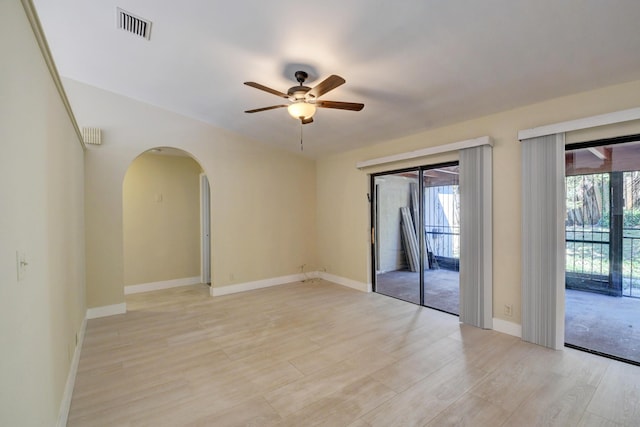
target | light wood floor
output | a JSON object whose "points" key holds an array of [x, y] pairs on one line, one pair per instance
{"points": [[315, 353]]}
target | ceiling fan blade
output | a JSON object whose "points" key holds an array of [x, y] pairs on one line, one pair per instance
{"points": [[351, 106], [325, 86], [257, 110], [307, 121], [267, 89]]}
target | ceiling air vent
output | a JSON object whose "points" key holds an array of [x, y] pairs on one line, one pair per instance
{"points": [[92, 136], [133, 24]]}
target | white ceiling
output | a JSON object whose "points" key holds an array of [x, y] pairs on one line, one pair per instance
{"points": [[414, 64]]}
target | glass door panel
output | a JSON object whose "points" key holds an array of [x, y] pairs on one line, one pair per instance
{"points": [[442, 238], [587, 232], [396, 243]]}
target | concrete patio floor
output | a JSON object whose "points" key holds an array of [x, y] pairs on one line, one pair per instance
{"points": [[602, 323]]}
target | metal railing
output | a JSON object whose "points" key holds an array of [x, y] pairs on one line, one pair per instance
{"points": [[587, 259], [631, 263], [444, 243]]}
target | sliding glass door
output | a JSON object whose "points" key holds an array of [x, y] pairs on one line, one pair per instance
{"points": [[416, 235], [602, 225]]}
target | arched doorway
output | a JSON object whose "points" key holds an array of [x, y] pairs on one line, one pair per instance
{"points": [[165, 228]]}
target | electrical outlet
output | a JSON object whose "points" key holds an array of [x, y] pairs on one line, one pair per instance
{"points": [[508, 310]]}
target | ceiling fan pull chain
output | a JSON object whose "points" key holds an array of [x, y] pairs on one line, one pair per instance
{"points": [[301, 147]]}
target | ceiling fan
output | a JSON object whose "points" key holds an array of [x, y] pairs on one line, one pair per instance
{"points": [[304, 100]]}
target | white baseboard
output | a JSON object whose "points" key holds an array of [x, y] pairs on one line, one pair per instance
{"points": [[258, 284], [65, 405], [275, 281], [507, 327], [364, 287], [107, 310], [165, 284]]}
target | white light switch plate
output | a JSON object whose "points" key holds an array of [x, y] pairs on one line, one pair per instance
{"points": [[21, 265]]}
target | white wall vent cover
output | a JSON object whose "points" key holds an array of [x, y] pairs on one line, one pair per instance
{"points": [[92, 136], [134, 24]]}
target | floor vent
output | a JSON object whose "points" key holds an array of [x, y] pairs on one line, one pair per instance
{"points": [[133, 24]]}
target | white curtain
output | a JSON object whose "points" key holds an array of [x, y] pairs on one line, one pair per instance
{"points": [[543, 244], [476, 275]]}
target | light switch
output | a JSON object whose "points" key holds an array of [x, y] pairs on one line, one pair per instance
{"points": [[159, 197], [21, 265]]}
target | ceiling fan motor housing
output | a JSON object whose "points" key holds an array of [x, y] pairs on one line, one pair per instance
{"points": [[297, 93]]}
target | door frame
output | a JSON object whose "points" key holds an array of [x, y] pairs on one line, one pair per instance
{"points": [[205, 230], [373, 220]]}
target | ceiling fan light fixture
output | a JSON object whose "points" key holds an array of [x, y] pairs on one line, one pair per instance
{"points": [[304, 100], [301, 110]]}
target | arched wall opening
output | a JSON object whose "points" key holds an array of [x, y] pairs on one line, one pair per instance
{"points": [[166, 238]]}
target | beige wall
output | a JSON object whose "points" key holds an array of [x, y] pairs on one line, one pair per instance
{"points": [[343, 210], [263, 205], [161, 219], [41, 215]]}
